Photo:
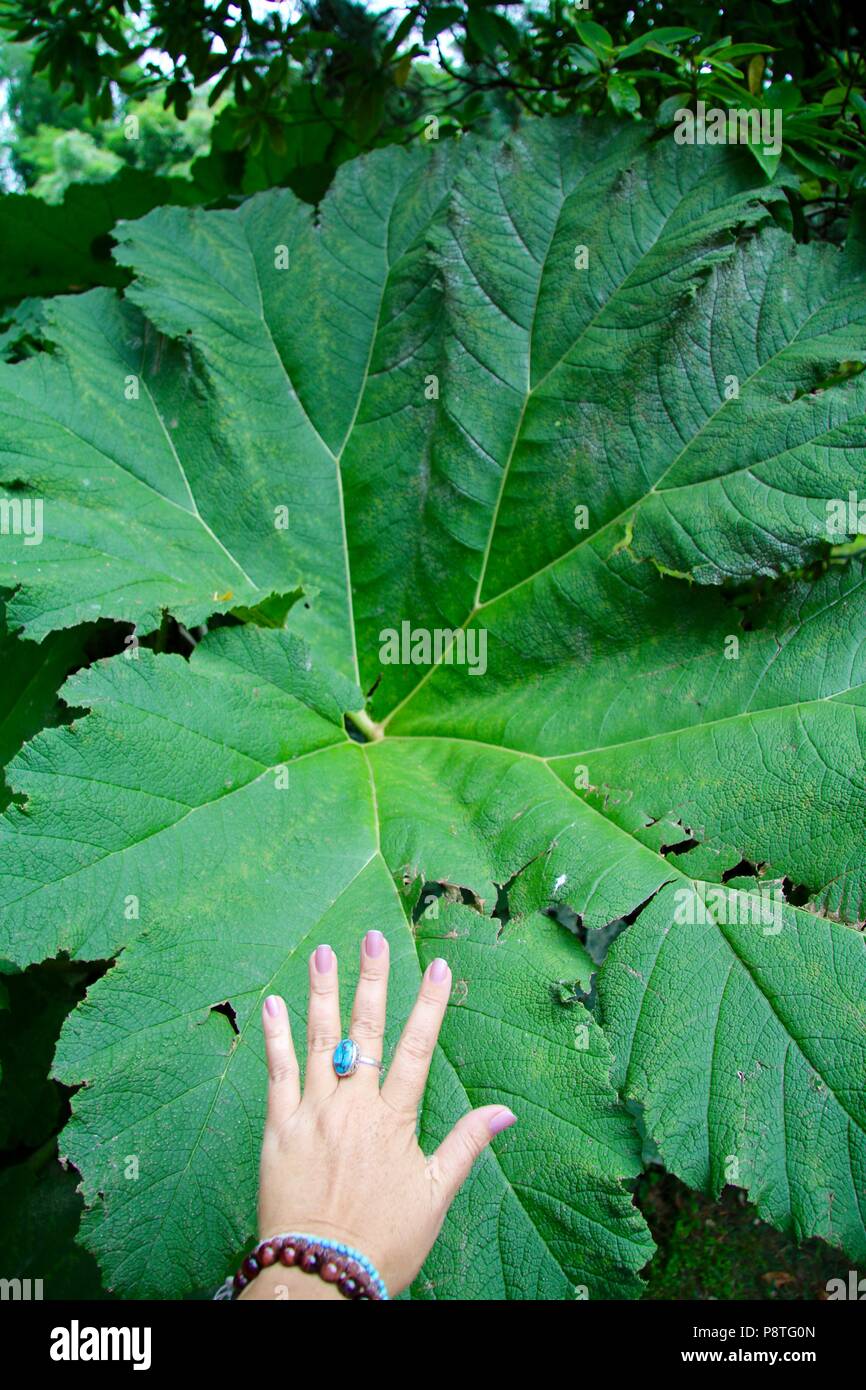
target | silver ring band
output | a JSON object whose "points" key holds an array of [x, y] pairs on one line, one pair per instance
{"points": [[371, 1062]]}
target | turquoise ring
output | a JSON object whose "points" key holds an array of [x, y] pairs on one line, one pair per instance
{"points": [[347, 1059]]}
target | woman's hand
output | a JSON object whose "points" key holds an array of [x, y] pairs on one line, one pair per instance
{"points": [[343, 1160]]}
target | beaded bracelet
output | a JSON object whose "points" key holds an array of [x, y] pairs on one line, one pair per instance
{"points": [[354, 1275]]}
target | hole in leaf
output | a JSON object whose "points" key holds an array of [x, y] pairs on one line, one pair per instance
{"points": [[501, 909], [226, 1009], [681, 847], [101, 247], [432, 890], [744, 869], [598, 940], [567, 992], [631, 917], [797, 894]]}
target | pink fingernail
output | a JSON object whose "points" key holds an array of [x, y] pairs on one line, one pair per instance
{"points": [[439, 970], [272, 1004], [374, 943], [324, 959], [501, 1120]]}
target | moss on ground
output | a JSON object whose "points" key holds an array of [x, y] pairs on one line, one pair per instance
{"points": [[722, 1250]]}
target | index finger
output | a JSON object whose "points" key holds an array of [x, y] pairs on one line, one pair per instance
{"points": [[404, 1085], [284, 1086]]}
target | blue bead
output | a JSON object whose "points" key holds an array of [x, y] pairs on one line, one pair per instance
{"points": [[344, 1057]]}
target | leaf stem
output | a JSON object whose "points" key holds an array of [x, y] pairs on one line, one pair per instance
{"points": [[373, 731]]}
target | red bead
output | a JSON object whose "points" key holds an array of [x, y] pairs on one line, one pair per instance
{"points": [[289, 1253], [349, 1287], [266, 1255], [250, 1266], [311, 1259], [240, 1282], [330, 1271], [353, 1269]]}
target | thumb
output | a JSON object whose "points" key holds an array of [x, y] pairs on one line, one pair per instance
{"points": [[458, 1151]]}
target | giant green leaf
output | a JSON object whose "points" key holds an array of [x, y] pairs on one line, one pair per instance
{"points": [[745, 769], [477, 429], [743, 1034], [202, 474], [308, 345], [296, 833], [677, 724]]}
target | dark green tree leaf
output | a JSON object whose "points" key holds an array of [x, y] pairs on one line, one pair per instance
{"points": [[56, 248]]}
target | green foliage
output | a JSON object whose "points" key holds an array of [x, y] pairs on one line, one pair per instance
{"points": [[54, 249], [631, 57], [55, 142], [423, 404], [233, 104], [147, 138], [38, 1196], [37, 1000], [32, 675], [66, 157], [32, 105]]}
